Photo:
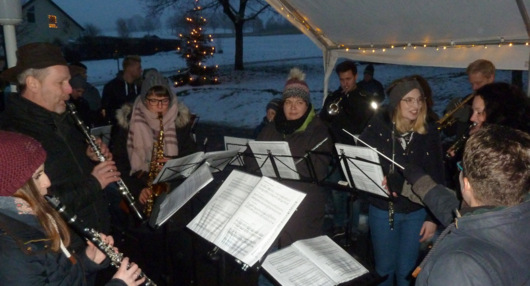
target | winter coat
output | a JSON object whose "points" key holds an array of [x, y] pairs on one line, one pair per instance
{"points": [[354, 114], [26, 257], [485, 247], [423, 150], [307, 221], [67, 164], [116, 93], [186, 144]]}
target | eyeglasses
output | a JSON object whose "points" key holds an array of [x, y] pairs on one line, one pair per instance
{"points": [[153, 101], [410, 100]]}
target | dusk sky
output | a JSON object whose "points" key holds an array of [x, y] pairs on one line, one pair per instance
{"points": [[102, 13]]}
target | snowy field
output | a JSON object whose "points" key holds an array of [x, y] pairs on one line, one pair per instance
{"points": [[240, 99]]}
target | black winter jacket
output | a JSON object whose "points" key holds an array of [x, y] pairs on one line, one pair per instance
{"points": [[423, 150], [26, 258], [67, 165]]}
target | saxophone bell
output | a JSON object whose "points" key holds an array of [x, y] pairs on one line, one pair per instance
{"points": [[448, 119]]}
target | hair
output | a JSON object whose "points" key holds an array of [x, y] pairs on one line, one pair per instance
{"points": [[346, 66], [497, 164], [129, 60], [30, 193], [506, 105], [39, 74], [482, 66], [158, 90], [402, 125]]}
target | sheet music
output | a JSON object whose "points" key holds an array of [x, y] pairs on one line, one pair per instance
{"points": [[246, 215], [315, 261], [179, 167], [362, 171], [235, 143], [222, 206], [183, 193], [219, 159], [102, 132], [282, 157]]}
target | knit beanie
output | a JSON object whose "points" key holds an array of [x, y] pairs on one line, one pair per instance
{"points": [[20, 156], [296, 86], [274, 104], [369, 69], [400, 89], [153, 78]]}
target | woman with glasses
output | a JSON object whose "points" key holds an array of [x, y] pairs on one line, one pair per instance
{"points": [[398, 225], [133, 138]]}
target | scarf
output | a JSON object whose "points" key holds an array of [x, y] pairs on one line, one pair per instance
{"points": [[144, 128]]}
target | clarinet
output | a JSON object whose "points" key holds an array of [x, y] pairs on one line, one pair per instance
{"points": [[93, 236], [124, 190]]}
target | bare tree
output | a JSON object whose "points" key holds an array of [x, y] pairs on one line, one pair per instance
{"points": [[92, 30], [246, 11], [122, 28]]}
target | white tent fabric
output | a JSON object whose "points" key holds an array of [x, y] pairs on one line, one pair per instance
{"points": [[442, 33]]}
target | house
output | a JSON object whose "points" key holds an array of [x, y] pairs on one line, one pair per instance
{"points": [[44, 21]]}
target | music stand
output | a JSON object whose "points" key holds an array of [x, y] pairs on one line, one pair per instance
{"points": [[235, 143]]}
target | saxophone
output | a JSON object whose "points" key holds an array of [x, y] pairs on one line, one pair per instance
{"points": [[154, 168], [93, 236]]}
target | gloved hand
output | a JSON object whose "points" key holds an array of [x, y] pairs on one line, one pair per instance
{"points": [[413, 173], [395, 181]]}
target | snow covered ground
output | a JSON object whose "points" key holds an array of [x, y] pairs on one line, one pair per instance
{"points": [[241, 97]]}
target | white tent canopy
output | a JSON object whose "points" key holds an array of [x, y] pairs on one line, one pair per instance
{"points": [[442, 33]]}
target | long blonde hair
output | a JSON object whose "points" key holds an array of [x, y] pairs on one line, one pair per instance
{"points": [[403, 125], [54, 227]]}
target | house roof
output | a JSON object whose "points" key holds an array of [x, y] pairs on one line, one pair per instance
{"points": [[26, 3]]}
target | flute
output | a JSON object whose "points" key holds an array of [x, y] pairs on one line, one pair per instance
{"points": [[93, 236], [124, 190]]}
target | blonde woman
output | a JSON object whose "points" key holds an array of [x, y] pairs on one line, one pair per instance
{"points": [[397, 225]]}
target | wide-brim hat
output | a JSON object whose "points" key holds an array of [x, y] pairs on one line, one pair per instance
{"points": [[36, 56]]}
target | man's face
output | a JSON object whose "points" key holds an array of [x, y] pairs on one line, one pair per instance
{"points": [[77, 92], [135, 70], [53, 90], [271, 113], [478, 80], [347, 81]]}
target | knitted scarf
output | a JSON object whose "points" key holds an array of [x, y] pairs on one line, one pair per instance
{"points": [[143, 133]]}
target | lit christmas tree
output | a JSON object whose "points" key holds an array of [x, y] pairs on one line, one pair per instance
{"points": [[196, 48]]}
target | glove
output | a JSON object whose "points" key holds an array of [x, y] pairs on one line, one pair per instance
{"points": [[395, 182], [413, 173]]}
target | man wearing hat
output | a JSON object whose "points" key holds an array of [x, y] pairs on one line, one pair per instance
{"points": [[372, 86], [39, 111], [271, 109]]}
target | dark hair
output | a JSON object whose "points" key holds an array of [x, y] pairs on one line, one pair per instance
{"points": [[346, 66], [158, 90], [506, 105], [79, 64], [496, 160]]}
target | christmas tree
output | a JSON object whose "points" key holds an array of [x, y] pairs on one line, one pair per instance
{"points": [[196, 48]]}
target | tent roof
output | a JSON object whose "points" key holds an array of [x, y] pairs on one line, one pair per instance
{"points": [[445, 33]]}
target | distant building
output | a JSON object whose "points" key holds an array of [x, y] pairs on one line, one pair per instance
{"points": [[44, 21]]}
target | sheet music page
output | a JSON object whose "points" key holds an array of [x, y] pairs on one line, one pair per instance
{"points": [[279, 149], [179, 167], [338, 264], [183, 193], [259, 220], [235, 143], [364, 174], [222, 206], [219, 159], [291, 268]]}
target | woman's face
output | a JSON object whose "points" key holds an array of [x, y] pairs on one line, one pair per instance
{"points": [[411, 105], [479, 114], [41, 180], [157, 103], [294, 107]]}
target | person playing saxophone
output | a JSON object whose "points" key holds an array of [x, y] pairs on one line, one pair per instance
{"points": [[149, 132]]}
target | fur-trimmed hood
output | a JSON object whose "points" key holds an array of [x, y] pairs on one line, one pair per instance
{"points": [[123, 115]]}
